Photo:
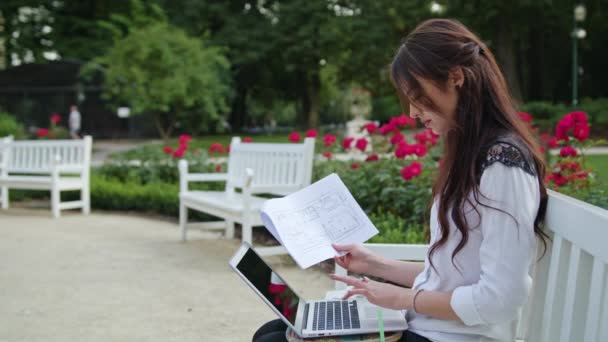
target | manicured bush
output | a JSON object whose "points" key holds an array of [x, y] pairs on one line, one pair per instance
{"points": [[10, 126]]}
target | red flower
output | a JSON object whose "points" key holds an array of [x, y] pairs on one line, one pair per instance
{"points": [[558, 179], [295, 137], [387, 128], [218, 168], [372, 157], [327, 154], [581, 131], [403, 120], [567, 151], [525, 116], [579, 116], [545, 137], [329, 139], [420, 150], [179, 152], [184, 139], [552, 143], [228, 148], [247, 140], [311, 133], [361, 144], [217, 148], [426, 137], [42, 132], [371, 127], [411, 171], [572, 120], [355, 166], [404, 150], [55, 118], [347, 142], [397, 138], [168, 149]]}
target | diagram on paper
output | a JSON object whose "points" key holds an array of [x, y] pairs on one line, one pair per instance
{"points": [[329, 217]]}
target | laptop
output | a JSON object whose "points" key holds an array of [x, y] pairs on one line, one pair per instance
{"points": [[311, 318]]}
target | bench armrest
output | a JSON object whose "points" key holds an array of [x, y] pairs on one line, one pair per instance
{"points": [[74, 168], [205, 177]]}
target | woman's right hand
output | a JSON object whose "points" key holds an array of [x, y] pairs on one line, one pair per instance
{"points": [[357, 259]]}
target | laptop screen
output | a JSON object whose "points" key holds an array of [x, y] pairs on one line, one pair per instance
{"points": [[269, 284]]}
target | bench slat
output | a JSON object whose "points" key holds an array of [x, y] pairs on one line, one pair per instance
{"points": [[575, 299], [554, 300], [595, 301]]}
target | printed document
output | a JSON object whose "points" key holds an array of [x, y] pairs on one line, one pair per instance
{"points": [[308, 221]]}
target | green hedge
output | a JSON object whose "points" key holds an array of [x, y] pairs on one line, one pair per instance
{"points": [[10, 126], [547, 114]]}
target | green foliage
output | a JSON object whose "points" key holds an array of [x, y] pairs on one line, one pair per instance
{"points": [[160, 71], [547, 114], [10, 126], [149, 164], [379, 186], [112, 194], [394, 229], [385, 107], [597, 109]]}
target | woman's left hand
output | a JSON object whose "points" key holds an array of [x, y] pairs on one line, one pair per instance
{"points": [[382, 294]]}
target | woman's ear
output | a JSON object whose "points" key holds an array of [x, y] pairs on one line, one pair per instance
{"points": [[456, 77]]}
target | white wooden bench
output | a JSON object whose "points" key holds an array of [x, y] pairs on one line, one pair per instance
{"points": [[54, 165], [569, 299], [254, 168]]}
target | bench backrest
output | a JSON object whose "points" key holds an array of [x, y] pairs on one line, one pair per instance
{"points": [[279, 168], [569, 300], [39, 156]]}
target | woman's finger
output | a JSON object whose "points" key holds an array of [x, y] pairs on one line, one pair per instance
{"points": [[340, 262], [349, 280], [353, 292], [343, 248]]}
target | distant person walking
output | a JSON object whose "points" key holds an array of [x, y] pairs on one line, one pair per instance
{"points": [[74, 122]]}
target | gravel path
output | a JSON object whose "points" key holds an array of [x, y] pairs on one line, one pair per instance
{"points": [[110, 277]]}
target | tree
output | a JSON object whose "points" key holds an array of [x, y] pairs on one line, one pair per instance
{"points": [[160, 71]]}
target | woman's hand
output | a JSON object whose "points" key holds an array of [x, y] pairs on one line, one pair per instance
{"points": [[382, 294], [357, 259]]}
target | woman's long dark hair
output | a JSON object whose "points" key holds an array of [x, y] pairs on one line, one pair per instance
{"points": [[484, 109]]}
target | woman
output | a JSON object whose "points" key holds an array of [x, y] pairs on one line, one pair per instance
{"points": [[488, 198]]}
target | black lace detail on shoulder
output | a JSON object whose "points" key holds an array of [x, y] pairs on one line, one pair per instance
{"points": [[508, 154]]}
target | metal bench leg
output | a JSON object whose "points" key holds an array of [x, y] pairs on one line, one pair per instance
{"points": [[183, 219]]}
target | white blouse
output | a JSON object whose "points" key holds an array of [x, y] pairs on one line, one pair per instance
{"points": [[492, 281]]}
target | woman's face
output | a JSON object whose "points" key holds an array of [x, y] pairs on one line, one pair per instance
{"points": [[440, 120]]}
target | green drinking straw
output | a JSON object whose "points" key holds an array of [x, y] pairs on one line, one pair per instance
{"points": [[381, 325]]}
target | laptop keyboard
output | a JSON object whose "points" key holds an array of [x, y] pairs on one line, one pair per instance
{"points": [[335, 315]]}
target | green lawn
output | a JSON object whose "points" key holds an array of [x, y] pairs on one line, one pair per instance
{"points": [[599, 163]]}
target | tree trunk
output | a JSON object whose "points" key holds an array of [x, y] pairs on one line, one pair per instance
{"points": [[314, 89], [535, 56], [505, 53], [164, 130], [238, 114]]}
